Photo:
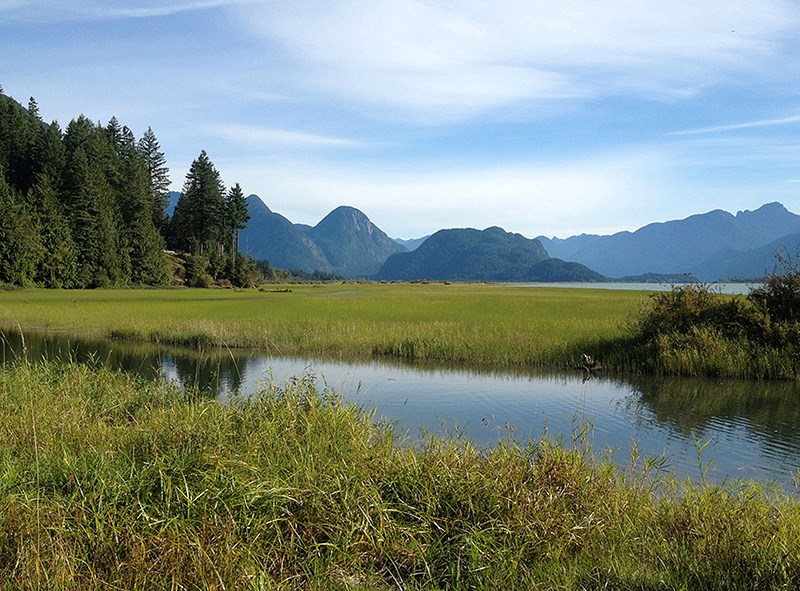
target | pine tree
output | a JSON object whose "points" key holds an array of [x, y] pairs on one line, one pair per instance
{"points": [[148, 262], [158, 175], [238, 216], [199, 224], [57, 266], [93, 208], [19, 241]]}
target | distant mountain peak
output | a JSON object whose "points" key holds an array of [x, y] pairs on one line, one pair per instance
{"points": [[693, 244], [348, 216], [345, 242]]}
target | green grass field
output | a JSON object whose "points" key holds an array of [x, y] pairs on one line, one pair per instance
{"points": [[111, 482], [475, 324]]}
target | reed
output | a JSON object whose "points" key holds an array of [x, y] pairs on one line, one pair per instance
{"points": [[108, 481], [472, 324]]}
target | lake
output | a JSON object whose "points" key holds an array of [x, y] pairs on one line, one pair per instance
{"points": [[725, 288], [753, 428]]}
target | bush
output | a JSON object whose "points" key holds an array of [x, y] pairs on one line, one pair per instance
{"points": [[779, 294], [687, 307], [692, 331]]}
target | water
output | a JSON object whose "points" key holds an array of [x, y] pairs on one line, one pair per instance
{"points": [[725, 288], [753, 428]]}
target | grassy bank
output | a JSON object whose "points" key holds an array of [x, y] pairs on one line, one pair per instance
{"points": [[480, 325], [107, 482]]}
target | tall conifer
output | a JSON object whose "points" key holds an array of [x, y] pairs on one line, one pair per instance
{"points": [[200, 221], [158, 177]]}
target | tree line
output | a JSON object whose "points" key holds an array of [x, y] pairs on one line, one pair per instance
{"points": [[87, 207]]}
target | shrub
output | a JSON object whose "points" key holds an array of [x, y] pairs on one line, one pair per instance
{"points": [[779, 294], [692, 306]]}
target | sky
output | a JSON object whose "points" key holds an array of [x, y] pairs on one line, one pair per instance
{"points": [[541, 117]]}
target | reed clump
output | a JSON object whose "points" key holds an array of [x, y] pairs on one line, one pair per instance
{"points": [[693, 331], [108, 481]]}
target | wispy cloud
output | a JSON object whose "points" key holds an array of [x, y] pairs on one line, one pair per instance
{"points": [[585, 195], [457, 58], [260, 137], [790, 120], [45, 10]]}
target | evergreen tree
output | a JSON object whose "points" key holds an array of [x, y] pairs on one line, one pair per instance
{"points": [[51, 153], [93, 208], [17, 144], [158, 175], [57, 266], [148, 262], [199, 224], [77, 209], [19, 241], [237, 214]]}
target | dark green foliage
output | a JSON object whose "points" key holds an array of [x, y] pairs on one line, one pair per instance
{"points": [[93, 208], [86, 208], [196, 271], [158, 178], [19, 241], [148, 264], [58, 264], [237, 215], [467, 255], [199, 223], [779, 294], [206, 223], [693, 306], [558, 270], [691, 330]]}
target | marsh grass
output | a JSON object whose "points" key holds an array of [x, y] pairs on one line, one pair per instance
{"points": [[498, 327], [107, 481]]}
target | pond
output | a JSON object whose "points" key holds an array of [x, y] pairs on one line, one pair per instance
{"points": [[752, 428]]}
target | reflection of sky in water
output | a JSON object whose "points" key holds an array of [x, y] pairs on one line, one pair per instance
{"points": [[753, 427], [485, 407]]}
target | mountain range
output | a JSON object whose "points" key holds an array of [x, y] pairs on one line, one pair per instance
{"points": [[492, 254], [344, 243], [712, 246]]}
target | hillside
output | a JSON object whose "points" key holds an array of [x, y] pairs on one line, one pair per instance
{"points": [[748, 264], [692, 244], [353, 245], [473, 255], [271, 236], [345, 242]]}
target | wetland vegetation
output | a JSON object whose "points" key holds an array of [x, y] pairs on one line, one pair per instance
{"points": [[109, 481]]}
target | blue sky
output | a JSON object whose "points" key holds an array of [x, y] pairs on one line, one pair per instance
{"points": [[544, 118]]}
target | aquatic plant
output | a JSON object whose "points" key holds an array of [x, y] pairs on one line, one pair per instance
{"points": [[107, 481]]}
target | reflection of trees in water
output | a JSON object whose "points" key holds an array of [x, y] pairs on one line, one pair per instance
{"points": [[211, 372], [143, 361], [769, 410]]}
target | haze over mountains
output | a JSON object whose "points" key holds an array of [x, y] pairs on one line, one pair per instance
{"points": [[344, 243], [489, 255], [712, 246]]}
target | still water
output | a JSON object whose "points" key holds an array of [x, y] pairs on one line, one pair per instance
{"points": [[753, 428]]}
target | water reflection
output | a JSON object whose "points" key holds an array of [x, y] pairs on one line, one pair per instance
{"points": [[753, 427]]}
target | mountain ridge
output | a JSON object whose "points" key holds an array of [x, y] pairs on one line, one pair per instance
{"points": [[467, 254], [345, 242], [678, 246]]}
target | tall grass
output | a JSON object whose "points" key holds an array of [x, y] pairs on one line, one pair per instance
{"points": [[480, 325], [132, 484]]}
